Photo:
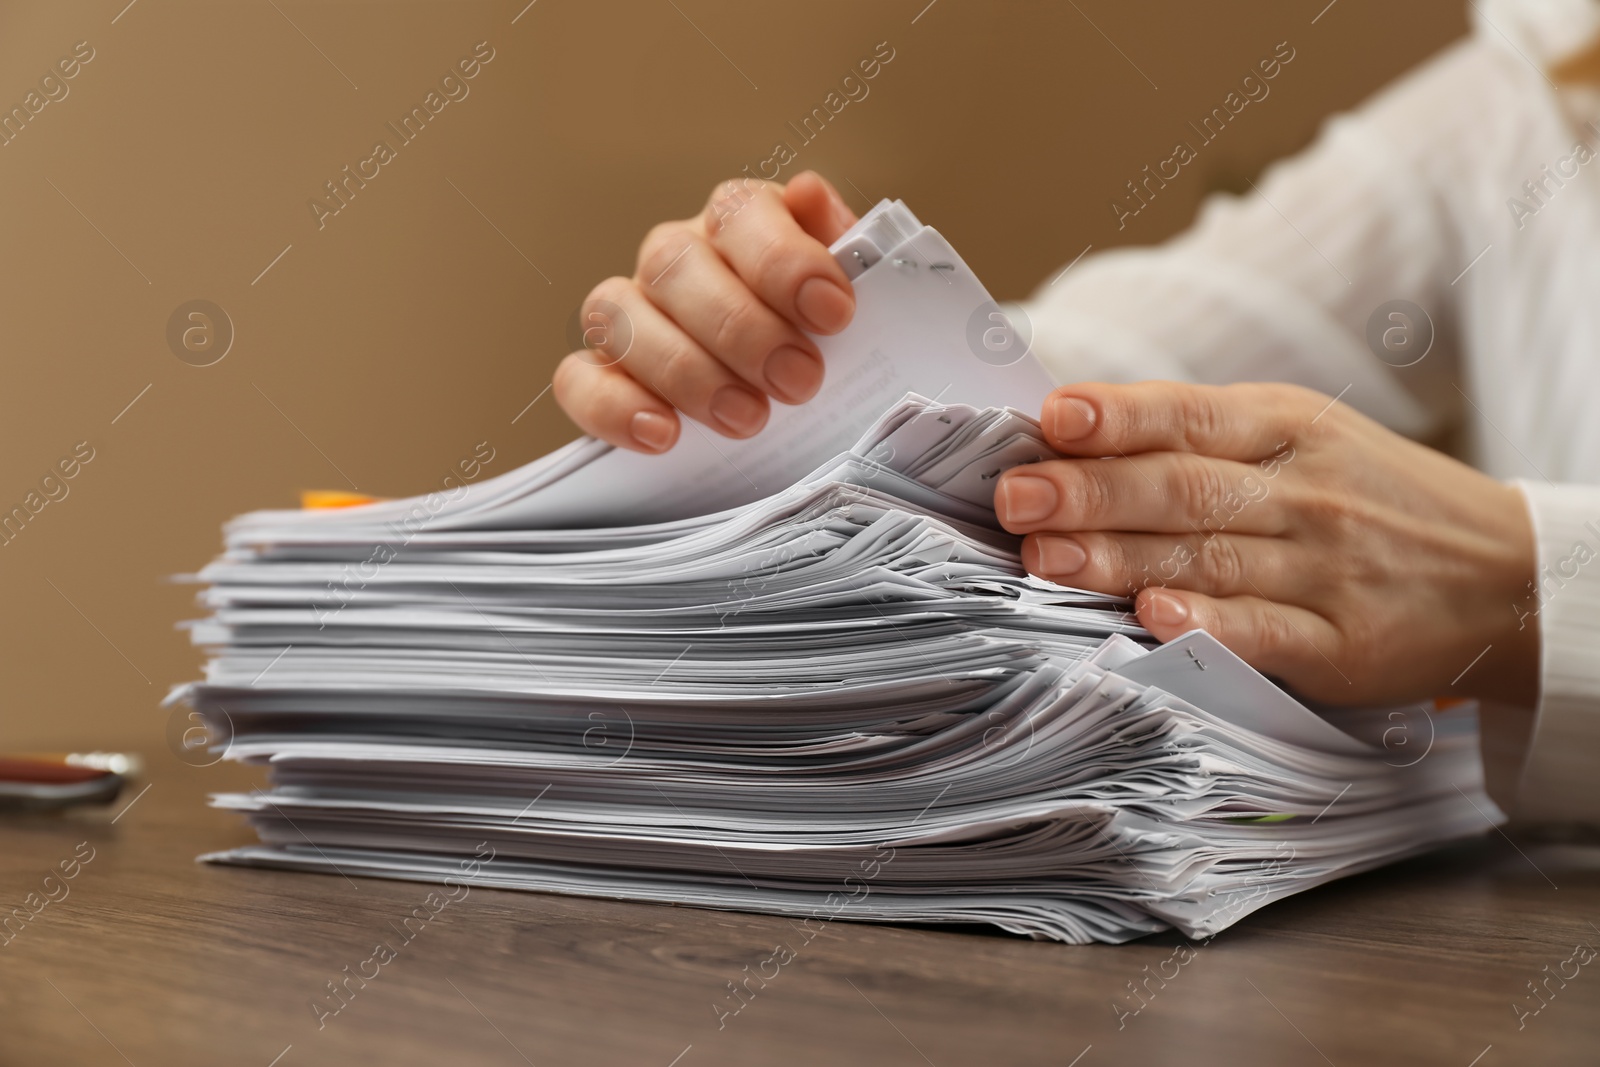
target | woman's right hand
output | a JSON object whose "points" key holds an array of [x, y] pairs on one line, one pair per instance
{"points": [[715, 318]]}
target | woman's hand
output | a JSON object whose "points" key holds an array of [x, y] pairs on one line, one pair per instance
{"points": [[714, 319], [1323, 549]]}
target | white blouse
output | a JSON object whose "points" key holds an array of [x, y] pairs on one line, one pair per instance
{"points": [[1470, 188]]}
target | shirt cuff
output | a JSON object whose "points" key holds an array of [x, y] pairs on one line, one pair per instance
{"points": [[1560, 779]]}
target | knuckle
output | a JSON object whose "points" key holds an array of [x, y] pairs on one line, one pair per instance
{"points": [[677, 372], [1223, 567], [1111, 557], [737, 321], [728, 198], [1126, 564], [1198, 489], [571, 386], [1273, 638], [603, 318], [611, 291], [1085, 489], [1333, 518], [1360, 639], [664, 243], [1255, 395], [656, 238], [1307, 399], [1204, 418], [773, 259], [1119, 419], [1302, 402]]}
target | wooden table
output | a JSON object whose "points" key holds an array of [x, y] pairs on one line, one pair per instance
{"points": [[152, 959]]}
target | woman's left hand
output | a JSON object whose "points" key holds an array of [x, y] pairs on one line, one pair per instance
{"points": [[1355, 565]]}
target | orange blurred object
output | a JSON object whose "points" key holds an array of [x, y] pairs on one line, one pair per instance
{"points": [[334, 498]]}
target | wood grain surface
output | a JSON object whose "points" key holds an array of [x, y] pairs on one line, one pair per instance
{"points": [[150, 958]]}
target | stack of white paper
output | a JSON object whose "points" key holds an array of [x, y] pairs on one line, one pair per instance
{"points": [[737, 677]]}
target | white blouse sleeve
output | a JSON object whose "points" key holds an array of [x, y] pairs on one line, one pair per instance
{"points": [[1560, 780], [1279, 284]]}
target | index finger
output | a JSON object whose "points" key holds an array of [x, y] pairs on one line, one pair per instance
{"points": [[1239, 422], [792, 272]]}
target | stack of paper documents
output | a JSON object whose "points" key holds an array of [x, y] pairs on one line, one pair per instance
{"points": [[802, 674]]}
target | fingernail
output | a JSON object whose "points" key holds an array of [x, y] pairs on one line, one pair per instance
{"points": [[1026, 498], [793, 374], [825, 307], [739, 410], [1167, 610], [1060, 555], [1071, 419], [652, 430]]}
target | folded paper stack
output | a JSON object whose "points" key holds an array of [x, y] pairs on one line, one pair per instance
{"points": [[803, 674]]}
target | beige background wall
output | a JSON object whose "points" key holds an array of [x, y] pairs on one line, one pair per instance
{"points": [[383, 346]]}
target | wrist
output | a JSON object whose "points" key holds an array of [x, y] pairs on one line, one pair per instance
{"points": [[1509, 636]]}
